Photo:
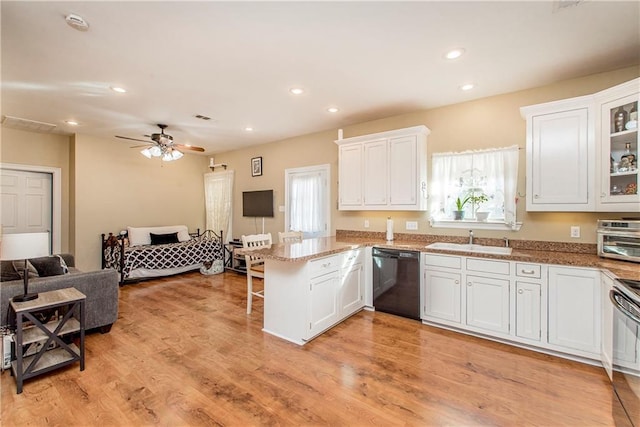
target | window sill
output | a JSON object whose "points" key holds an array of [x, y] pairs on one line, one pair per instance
{"points": [[479, 225]]}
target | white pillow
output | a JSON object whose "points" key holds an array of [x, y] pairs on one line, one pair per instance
{"points": [[140, 235]]}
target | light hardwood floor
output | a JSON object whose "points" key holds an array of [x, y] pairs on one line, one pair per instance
{"points": [[184, 352]]}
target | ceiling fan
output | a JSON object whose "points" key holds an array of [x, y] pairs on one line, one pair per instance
{"points": [[162, 146]]}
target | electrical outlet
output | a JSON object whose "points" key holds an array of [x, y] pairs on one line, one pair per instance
{"points": [[366, 223], [411, 225], [575, 231]]}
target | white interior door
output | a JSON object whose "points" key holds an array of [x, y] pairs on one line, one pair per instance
{"points": [[26, 201]]}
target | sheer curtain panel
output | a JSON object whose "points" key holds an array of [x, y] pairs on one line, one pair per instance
{"points": [[218, 196]]}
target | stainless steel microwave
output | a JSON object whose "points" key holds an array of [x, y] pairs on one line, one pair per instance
{"points": [[619, 239]]}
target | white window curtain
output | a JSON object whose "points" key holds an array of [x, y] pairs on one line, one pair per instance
{"points": [[307, 201], [492, 172], [218, 196]]}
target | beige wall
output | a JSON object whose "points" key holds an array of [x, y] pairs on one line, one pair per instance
{"points": [[484, 123], [116, 187], [108, 186], [41, 149]]}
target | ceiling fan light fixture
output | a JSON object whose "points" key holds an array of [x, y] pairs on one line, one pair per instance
{"points": [[175, 154]]}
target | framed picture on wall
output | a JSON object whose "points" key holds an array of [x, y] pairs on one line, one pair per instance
{"points": [[256, 166]]}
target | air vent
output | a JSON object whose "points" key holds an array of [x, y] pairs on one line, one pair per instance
{"points": [[77, 22], [200, 116], [24, 124]]}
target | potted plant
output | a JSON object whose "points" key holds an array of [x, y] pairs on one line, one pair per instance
{"points": [[474, 199]]}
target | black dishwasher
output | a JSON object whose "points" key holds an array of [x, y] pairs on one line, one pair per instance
{"points": [[396, 282]]}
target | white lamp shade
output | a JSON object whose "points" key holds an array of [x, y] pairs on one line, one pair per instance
{"points": [[24, 245]]}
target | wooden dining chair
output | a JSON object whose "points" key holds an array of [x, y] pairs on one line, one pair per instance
{"points": [[254, 263], [289, 236]]}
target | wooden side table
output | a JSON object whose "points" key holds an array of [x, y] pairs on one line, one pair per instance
{"points": [[66, 302]]}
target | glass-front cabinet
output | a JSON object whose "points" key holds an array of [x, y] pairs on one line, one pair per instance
{"points": [[619, 153]]}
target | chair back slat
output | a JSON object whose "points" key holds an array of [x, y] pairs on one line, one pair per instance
{"points": [[256, 241], [290, 236]]}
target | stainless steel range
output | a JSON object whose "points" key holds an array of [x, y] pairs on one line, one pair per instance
{"points": [[619, 239], [625, 297]]}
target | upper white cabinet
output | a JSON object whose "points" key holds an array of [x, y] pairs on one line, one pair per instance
{"points": [[384, 171], [619, 148], [575, 149], [560, 155]]}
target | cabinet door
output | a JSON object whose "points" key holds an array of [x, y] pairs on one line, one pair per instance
{"points": [[488, 303], [351, 296], [574, 309], [323, 301], [403, 171], [375, 173], [528, 310], [350, 176], [442, 297], [619, 176], [558, 164]]}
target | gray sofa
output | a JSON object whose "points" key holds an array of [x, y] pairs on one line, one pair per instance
{"points": [[100, 287]]}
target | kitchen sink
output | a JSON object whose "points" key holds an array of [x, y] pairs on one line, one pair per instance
{"points": [[466, 247]]}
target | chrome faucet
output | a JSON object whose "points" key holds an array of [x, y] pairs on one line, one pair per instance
{"points": [[506, 242], [471, 237]]}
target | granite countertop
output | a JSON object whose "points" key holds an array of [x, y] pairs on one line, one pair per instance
{"points": [[544, 253]]}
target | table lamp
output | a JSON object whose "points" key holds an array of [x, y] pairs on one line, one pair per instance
{"points": [[24, 246]]}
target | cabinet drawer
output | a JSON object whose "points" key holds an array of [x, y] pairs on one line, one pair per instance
{"points": [[352, 257], [528, 270], [487, 266], [443, 261], [318, 267]]}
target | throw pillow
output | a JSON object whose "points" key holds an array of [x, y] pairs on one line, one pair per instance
{"points": [[47, 266], [161, 239], [19, 266], [65, 269], [8, 272]]}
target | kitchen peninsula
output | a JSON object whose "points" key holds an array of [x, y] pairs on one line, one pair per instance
{"points": [[315, 284]]}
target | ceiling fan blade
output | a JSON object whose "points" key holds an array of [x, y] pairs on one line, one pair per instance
{"points": [[138, 146], [132, 139], [188, 147]]}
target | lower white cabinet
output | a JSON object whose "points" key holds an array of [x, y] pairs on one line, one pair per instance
{"points": [[574, 310], [528, 310], [487, 303], [323, 302], [303, 299], [351, 294], [442, 297], [549, 308]]}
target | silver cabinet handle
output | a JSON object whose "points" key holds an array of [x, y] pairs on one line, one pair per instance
{"points": [[469, 283], [535, 196], [527, 271], [457, 282], [520, 291]]}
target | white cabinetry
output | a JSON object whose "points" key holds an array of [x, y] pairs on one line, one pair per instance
{"points": [[560, 155], [351, 294], [575, 151], [574, 310], [619, 143], [442, 286], [350, 172], [488, 303], [303, 299], [383, 171], [324, 285], [529, 301]]}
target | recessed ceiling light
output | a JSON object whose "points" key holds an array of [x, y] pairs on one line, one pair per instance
{"points": [[118, 89], [332, 110], [296, 90], [454, 53], [248, 129], [467, 86], [71, 122]]}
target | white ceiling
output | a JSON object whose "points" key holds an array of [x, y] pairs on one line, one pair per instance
{"points": [[236, 61]]}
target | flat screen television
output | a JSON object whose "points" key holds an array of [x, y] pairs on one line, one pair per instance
{"points": [[257, 203]]}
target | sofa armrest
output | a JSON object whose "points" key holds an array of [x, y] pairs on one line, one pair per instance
{"points": [[100, 287]]}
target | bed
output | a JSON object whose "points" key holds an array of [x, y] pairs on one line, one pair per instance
{"points": [[147, 252]]}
